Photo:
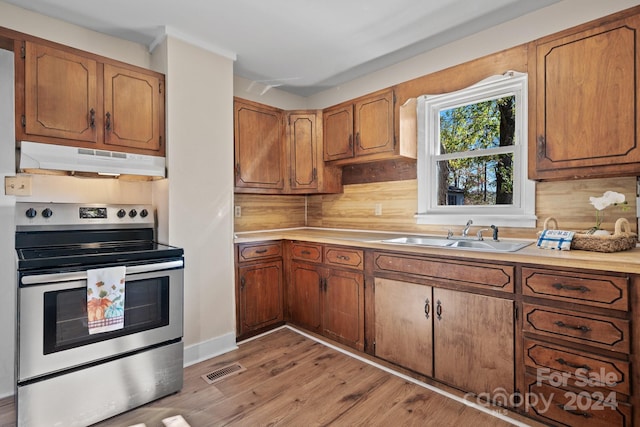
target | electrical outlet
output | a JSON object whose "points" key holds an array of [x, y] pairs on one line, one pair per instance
{"points": [[238, 211], [17, 185], [377, 211]]}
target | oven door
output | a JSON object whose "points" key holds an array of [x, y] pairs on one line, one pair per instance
{"points": [[53, 335]]}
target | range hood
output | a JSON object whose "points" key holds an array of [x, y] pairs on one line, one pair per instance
{"points": [[35, 155]]}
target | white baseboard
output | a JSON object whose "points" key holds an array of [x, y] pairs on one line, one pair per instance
{"points": [[207, 349]]}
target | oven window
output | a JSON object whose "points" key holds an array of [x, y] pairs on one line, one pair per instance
{"points": [[146, 306]]}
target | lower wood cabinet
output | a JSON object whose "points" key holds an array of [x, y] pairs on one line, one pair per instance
{"points": [[343, 307], [566, 357], [304, 296], [436, 331], [325, 299], [404, 324], [476, 332], [259, 288], [577, 340]]}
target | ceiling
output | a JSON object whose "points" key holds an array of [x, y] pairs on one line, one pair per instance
{"points": [[300, 46]]}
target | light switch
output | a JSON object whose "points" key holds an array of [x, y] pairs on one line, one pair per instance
{"points": [[238, 211]]}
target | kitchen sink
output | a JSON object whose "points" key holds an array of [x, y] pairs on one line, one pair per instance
{"points": [[479, 245], [420, 241], [490, 245]]}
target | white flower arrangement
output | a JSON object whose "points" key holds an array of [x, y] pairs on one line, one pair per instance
{"points": [[601, 203]]}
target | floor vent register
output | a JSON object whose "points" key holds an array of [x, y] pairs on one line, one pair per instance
{"points": [[222, 373]]}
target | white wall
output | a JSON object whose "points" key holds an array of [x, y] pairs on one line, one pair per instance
{"points": [[200, 162]]}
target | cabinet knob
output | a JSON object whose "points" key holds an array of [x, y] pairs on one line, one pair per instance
{"points": [[107, 124], [92, 118], [439, 310], [427, 308]]}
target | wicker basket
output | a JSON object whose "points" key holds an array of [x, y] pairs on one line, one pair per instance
{"points": [[621, 240]]}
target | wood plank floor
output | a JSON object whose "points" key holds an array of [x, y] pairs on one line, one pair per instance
{"points": [[291, 380]]}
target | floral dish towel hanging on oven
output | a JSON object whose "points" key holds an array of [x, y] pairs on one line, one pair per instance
{"points": [[105, 299]]}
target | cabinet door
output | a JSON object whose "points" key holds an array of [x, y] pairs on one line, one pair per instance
{"points": [[475, 332], [303, 151], [260, 288], [304, 296], [338, 132], [133, 109], [374, 124], [343, 307], [587, 110], [60, 94], [404, 324], [259, 148]]}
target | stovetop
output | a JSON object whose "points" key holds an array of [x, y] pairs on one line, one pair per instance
{"points": [[72, 236]]}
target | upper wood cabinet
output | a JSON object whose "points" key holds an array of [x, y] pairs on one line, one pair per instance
{"points": [[132, 101], [360, 130], [587, 109], [307, 171], [259, 146], [280, 152], [67, 98], [60, 94]]}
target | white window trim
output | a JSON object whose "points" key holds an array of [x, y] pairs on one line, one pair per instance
{"points": [[522, 212]]}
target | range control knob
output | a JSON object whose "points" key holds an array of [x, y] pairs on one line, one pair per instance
{"points": [[133, 213], [47, 213], [144, 213], [31, 213], [121, 213]]}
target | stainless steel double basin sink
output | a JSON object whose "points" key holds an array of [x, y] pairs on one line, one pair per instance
{"points": [[460, 243]]}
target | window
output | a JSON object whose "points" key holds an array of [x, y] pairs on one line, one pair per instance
{"points": [[472, 155]]}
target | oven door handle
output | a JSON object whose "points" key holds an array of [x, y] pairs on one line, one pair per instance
{"points": [[39, 279]]}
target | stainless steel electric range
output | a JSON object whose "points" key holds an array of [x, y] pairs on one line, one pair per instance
{"points": [[67, 376]]}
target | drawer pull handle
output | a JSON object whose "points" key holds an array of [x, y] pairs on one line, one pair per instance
{"points": [[261, 251], [343, 257], [439, 309], [574, 412], [306, 252], [427, 308], [573, 365], [581, 328], [561, 287]]}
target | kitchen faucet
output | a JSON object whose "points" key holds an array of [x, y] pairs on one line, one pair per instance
{"points": [[465, 231]]}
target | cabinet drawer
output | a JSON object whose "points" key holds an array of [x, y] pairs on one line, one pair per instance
{"points": [[582, 369], [495, 276], [259, 251], [309, 252], [598, 331], [344, 257], [591, 289], [582, 408]]}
